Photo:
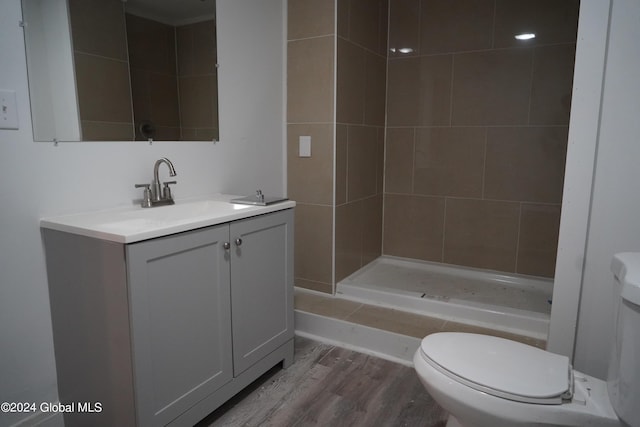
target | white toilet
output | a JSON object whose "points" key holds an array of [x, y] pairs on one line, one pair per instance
{"points": [[485, 381]]}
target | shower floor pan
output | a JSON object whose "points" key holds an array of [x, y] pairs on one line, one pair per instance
{"points": [[506, 302]]}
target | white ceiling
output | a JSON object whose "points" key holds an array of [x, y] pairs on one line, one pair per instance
{"points": [[172, 12]]}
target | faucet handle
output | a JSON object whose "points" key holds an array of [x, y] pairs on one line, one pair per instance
{"points": [[166, 191], [146, 200]]}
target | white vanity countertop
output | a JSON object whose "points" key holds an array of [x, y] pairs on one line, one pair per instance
{"points": [[133, 224]]}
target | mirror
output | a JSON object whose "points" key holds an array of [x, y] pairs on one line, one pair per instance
{"points": [[122, 69]]}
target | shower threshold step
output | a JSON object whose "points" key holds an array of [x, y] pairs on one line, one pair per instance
{"points": [[383, 331]]}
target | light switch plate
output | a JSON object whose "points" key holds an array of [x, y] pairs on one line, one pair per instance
{"points": [[8, 110], [304, 146]]}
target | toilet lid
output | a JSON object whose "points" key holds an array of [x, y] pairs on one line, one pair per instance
{"points": [[500, 367]]}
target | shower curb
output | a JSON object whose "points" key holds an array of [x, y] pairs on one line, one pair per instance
{"points": [[364, 339]]}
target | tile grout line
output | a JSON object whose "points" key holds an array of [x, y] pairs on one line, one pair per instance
{"points": [[453, 65], [533, 57], [515, 269], [311, 38], [444, 229], [436, 196], [484, 162], [488, 126], [413, 159]]}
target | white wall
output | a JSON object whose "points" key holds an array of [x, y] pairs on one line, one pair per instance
{"points": [[39, 179], [615, 211]]}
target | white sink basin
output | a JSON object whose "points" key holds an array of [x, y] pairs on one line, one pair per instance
{"points": [[169, 214], [129, 225]]}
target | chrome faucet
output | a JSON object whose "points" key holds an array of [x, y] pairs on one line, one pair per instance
{"points": [[153, 195], [155, 185]]}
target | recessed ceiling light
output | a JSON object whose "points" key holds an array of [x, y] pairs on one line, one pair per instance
{"points": [[525, 36], [405, 50]]}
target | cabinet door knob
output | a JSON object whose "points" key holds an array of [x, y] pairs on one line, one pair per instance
{"points": [[238, 241], [226, 245]]}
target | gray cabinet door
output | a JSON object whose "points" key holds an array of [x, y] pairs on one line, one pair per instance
{"points": [[261, 286], [180, 313]]}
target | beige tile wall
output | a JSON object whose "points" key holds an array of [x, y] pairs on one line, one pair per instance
{"points": [[152, 59], [347, 143], [198, 80], [476, 132], [360, 117], [131, 69], [174, 78], [310, 112], [102, 69]]}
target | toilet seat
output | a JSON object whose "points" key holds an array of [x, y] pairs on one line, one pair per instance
{"points": [[500, 367]]}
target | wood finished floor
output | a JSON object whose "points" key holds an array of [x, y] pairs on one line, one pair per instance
{"points": [[332, 386]]}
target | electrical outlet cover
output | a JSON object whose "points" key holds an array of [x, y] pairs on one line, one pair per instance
{"points": [[304, 146]]}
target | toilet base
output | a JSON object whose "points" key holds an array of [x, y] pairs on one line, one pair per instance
{"points": [[590, 405]]}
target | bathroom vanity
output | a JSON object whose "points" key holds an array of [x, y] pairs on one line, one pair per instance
{"points": [[161, 315]]}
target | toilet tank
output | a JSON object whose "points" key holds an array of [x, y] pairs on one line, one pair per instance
{"points": [[623, 381]]}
